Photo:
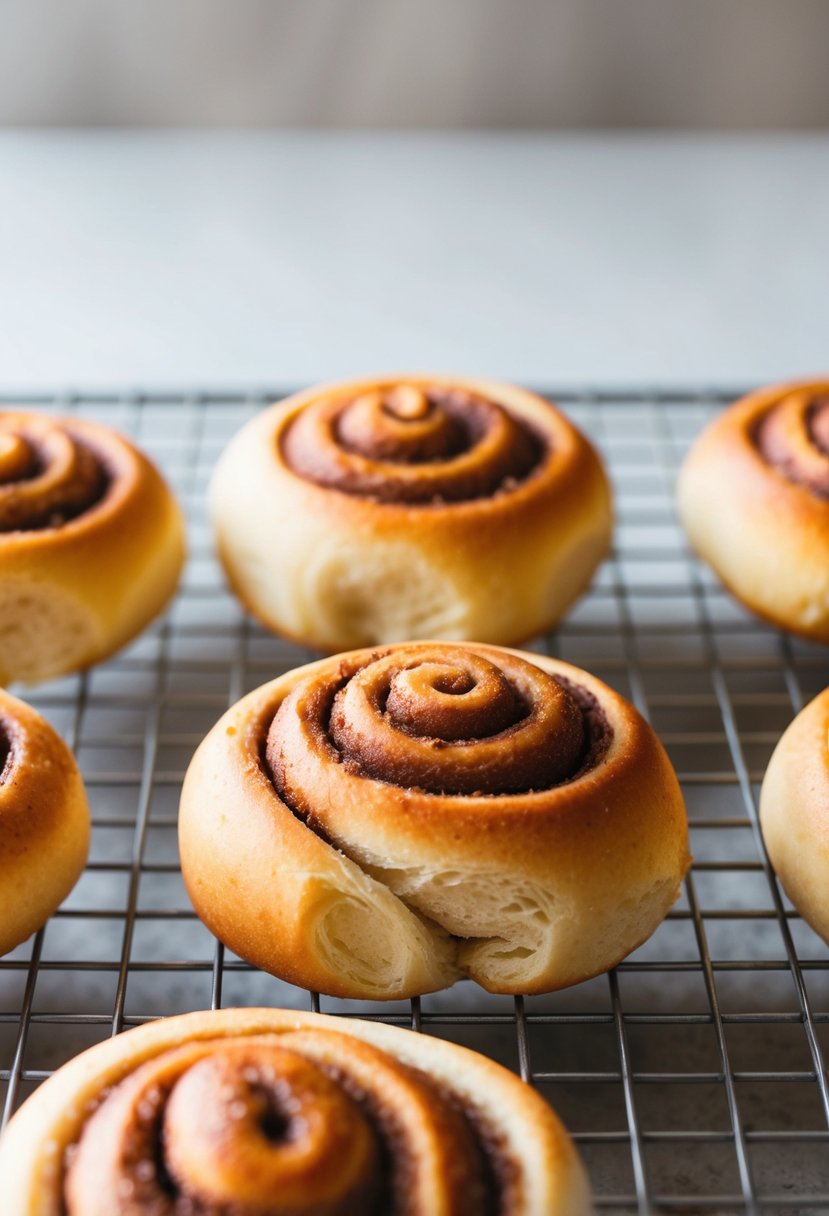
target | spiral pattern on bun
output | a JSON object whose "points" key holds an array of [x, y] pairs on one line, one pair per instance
{"points": [[91, 544], [44, 821], [442, 719], [379, 823], [380, 510], [754, 499], [270, 1113], [412, 444]]}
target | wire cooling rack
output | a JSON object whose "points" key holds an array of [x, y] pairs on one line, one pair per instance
{"points": [[693, 1076]]}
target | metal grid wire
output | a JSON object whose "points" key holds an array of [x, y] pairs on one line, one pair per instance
{"points": [[692, 1076]]}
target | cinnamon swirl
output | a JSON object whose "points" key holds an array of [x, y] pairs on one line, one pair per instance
{"points": [[754, 499], [380, 823], [422, 506], [91, 544], [260, 1112]]}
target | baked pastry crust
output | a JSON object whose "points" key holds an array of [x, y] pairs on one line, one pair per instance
{"points": [[44, 821], [412, 1087], [321, 839], [91, 544], [794, 812], [379, 510], [754, 500]]}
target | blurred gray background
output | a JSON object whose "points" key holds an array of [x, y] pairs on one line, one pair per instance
{"points": [[225, 192], [483, 63]]}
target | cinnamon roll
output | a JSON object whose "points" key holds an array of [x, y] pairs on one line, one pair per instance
{"points": [[91, 544], [261, 1112], [423, 506], [377, 824], [754, 499], [794, 812], [44, 821]]}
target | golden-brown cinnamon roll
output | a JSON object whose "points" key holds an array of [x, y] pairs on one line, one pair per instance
{"points": [[379, 823], [794, 812], [44, 821], [420, 506], [754, 499], [91, 544], [260, 1112]]}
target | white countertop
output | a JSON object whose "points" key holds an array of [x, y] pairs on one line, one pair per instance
{"points": [[153, 258]]}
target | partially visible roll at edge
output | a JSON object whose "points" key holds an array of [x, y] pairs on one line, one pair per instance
{"points": [[550, 1180], [765, 534], [44, 822], [74, 592], [794, 813]]}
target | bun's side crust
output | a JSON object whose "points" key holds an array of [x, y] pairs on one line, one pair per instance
{"points": [[794, 813]]}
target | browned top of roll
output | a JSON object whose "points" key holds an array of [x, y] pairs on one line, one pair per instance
{"points": [[793, 435], [418, 444], [49, 474], [443, 719]]}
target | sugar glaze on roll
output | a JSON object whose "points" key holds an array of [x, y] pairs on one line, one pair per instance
{"points": [[379, 823], [380, 510]]}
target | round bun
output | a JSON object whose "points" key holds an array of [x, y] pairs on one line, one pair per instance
{"points": [[44, 821], [377, 824], [754, 499], [377, 511], [265, 1112], [794, 813], [91, 544]]}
